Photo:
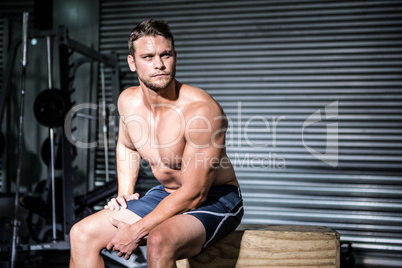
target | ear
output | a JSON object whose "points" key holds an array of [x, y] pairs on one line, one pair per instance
{"points": [[175, 58], [131, 63]]}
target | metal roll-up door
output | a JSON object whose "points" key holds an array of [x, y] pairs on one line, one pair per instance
{"points": [[313, 93]]}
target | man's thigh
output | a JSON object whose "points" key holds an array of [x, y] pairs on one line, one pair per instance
{"points": [[98, 225], [102, 217]]}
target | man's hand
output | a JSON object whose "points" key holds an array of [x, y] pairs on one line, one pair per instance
{"points": [[126, 240], [121, 201]]}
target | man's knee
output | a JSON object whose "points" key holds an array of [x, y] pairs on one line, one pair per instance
{"points": [[159, 242], [156, 239], [80, 233], [76, 232]]}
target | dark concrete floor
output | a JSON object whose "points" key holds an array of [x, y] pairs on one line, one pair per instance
{"points": [[48, 259]]}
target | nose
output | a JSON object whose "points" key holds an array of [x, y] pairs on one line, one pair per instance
{"points": [[159, 63]]}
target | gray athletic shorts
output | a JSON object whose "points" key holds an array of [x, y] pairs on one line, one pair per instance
{"points": [[220, 214]]}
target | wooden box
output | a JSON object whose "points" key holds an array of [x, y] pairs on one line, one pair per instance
{"points": [[271, 246]]}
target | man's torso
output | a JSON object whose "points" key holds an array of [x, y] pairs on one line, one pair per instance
{"points": [[159, 136]]}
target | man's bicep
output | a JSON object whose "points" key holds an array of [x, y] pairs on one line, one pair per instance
{"points": [[125, 149], [123, 136], [201, 157], [127, 162], [206, 128]]}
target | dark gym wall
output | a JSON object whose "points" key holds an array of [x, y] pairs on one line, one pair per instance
{"points": [[81, 19], [33, 169]]}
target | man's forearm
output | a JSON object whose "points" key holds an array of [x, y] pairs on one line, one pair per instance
{"points": [[175, 203], [128, 162]]}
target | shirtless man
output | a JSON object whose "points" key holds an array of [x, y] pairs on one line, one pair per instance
{"points": [[180, 130]]}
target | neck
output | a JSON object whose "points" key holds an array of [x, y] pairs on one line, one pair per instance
{"points": [[164, 96]]}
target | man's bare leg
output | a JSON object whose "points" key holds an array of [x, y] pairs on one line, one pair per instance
{"points": [[89, 236], [179, 237]]}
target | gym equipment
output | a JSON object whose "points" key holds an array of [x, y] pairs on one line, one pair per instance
{"points": [[49, 110], [5, 90], [51, 137], [51, 107], [2, 143], [45, 154], [24, 64], [104, 127], [137, 260], [38, 203]]}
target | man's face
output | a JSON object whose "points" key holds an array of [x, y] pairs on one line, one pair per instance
{"points": [[154, 61]]}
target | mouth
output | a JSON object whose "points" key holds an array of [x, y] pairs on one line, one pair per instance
{"points": [[160, 75]]}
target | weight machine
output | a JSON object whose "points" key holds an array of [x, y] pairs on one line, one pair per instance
{"points": [[50, 109]]}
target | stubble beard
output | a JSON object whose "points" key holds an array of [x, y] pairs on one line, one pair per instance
{"points": [[157, 87]]}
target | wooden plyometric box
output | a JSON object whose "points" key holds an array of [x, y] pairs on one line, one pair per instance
{"points": [[271, 246]]}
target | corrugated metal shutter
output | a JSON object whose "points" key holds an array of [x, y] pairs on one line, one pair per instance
{"points": [[313, 91]]}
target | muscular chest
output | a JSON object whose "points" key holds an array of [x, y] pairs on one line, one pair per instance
{"points": [[159, 140]]}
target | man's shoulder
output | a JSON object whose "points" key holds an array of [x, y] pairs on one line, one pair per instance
{"points": [[130, 92], [203, 113], [193, 91], [199, 102], [128, 97]]}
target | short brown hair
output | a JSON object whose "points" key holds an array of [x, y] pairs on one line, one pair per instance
{"points": [[150, 27]]}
